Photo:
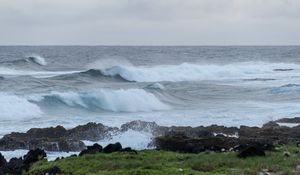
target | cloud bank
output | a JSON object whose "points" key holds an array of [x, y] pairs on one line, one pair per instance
{"points": [[148, 22]]}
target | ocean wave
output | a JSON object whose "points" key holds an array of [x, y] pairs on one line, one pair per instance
{"points": [[287, 88], [30, 60], [130, 100], [37, 59], [12, 72], [14, 107], [198, 72]]}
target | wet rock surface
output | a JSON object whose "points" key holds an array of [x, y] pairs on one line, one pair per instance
{"points": [[22, 164], [94, 149], [56, 138], [220, 138], [175, 138]]}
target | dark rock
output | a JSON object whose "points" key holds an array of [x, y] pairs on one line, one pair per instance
{"points": [[54, 171], [112, 148], [92, 132], [73, 155], [96, 148], [130, 150], [251, 151], [51, 132], [289, 120], [139, 125], [3, 161], [15, 166], [270, 124], [34, 156], [183, 143]]}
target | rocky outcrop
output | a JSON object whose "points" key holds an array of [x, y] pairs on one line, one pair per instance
{"points": [[220, 138], [289, 120], [143, 126], [92, 132], [15, 141], [186, 139], [56, 138], [21, 165], [182, 143]]}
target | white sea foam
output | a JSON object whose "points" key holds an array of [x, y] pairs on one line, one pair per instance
{"points": [[14, 108], [191, 72], [134, 139], [121, 100], [10, 72]]}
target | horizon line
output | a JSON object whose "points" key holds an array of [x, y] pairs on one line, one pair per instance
{"points": [[148, 45]]}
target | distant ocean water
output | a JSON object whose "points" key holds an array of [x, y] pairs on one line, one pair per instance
{"points": [[71, 85]]}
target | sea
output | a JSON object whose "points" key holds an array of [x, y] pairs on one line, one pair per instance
{"points": [[44, 86]]}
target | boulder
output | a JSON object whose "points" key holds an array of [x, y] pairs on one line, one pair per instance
{"points": [[112, 148], [94, 149], [250, 151], [54, 171]]}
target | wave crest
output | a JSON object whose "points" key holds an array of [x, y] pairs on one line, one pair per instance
{"points": [[130, 100], [33, 59], [198, 72], [15, 107], [37, 60]]}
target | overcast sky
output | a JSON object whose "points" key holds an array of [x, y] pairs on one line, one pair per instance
{"points": [[149, 22]]}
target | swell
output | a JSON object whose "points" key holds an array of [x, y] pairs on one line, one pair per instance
{"points": [[34, 60], [287, 88], [199, 72], [91, 73]]}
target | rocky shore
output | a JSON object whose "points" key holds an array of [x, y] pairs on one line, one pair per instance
{"points": [[248, 141], [175, 138]]}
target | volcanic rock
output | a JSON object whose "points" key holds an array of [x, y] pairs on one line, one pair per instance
{"points": [[94, 149], [112, 148]]}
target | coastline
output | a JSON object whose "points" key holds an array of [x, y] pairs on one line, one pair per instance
{"points": [[240, 141]]}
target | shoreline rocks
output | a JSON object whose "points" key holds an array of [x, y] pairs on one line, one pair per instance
{"points": [[22, 164], [176, 138]]}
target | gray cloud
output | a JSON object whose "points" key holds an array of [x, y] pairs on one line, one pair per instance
{"points": [[178, 22]]}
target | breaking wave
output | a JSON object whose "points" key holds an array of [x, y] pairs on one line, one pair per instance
{"points": [[17, 108], [30, 60], [91, 73], [37, 60], [196, 72], [130, 100]]}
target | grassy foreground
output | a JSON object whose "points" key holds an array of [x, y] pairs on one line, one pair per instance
{"points": [[170, 163]]}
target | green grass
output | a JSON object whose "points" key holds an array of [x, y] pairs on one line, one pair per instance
{"points": [[171, 163]]}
